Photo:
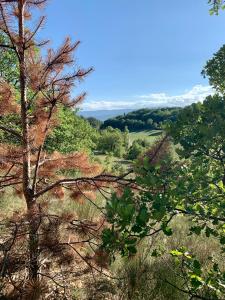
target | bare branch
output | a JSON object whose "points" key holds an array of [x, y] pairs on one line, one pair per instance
{"points": [[37, 2]]}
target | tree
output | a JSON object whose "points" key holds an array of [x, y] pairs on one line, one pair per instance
{"points": [[216, 6], [94, 122], [71, 127], [150, 122], [215, 70], [126, 138], [48, 88], [43, 89], [72, 134], [192, 186], [111, 141], [137, 148], [9, 63], [8, 70]]}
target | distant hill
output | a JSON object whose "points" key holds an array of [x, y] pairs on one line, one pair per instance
{"points": [[103, 115], [142, 119]]}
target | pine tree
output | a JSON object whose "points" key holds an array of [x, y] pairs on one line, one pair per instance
{"points": [[44, 86]]}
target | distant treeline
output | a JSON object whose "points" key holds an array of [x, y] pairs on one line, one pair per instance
{"points": [[142, 119]]}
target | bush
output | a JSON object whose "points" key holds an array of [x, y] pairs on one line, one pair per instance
{"points": [[137, 148], [112, 141]]}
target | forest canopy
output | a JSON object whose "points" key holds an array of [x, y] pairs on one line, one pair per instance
{"points": [[143, 119]]}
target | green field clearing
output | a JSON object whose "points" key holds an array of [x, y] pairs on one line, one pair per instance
{"points": [[110, 161], [150, 135]]}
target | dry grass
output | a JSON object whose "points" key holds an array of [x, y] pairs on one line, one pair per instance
{"points": [[10, 204], [143, 275]]}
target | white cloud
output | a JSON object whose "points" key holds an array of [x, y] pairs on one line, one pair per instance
{"points": [[196, 94]]}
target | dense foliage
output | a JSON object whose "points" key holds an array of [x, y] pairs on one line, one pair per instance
{"points": [[192, 186], [112, 141], [215, 70], [142, 119], [73, 133], [9, 64], [137, 148]]}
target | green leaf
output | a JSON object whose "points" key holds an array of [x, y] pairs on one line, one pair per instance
{"points": [[143, 216], [132, 249], [222, 240], [156, 253], [196, 229], [196, 281], [167, 230], [196, 264], [176, 253]]}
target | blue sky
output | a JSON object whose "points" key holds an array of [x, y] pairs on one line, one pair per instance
{"points": [[144, 52]]}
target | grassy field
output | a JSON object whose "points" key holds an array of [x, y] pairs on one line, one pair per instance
{"points": [[150, 135], [110, 162]]}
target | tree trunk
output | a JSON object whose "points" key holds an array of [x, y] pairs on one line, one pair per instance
{"points": [[34, 223], [32, 207], [24, 106]]}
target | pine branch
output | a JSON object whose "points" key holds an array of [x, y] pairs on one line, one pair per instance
{"points": [[3, 186], [41, 149], [91, 266], [36, 30], [12, 131], [8, 1], [99, 178], [6, 29], [7, 46]]}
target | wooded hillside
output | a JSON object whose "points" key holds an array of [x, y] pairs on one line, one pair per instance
{"points": [[143, 119]]}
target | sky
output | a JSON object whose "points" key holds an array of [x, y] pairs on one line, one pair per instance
{"points": [[145, 53]]}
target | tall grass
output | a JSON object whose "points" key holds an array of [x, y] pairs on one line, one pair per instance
{"points": [[86, 209], [146, 277], [10, 203], [142, 277]]}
